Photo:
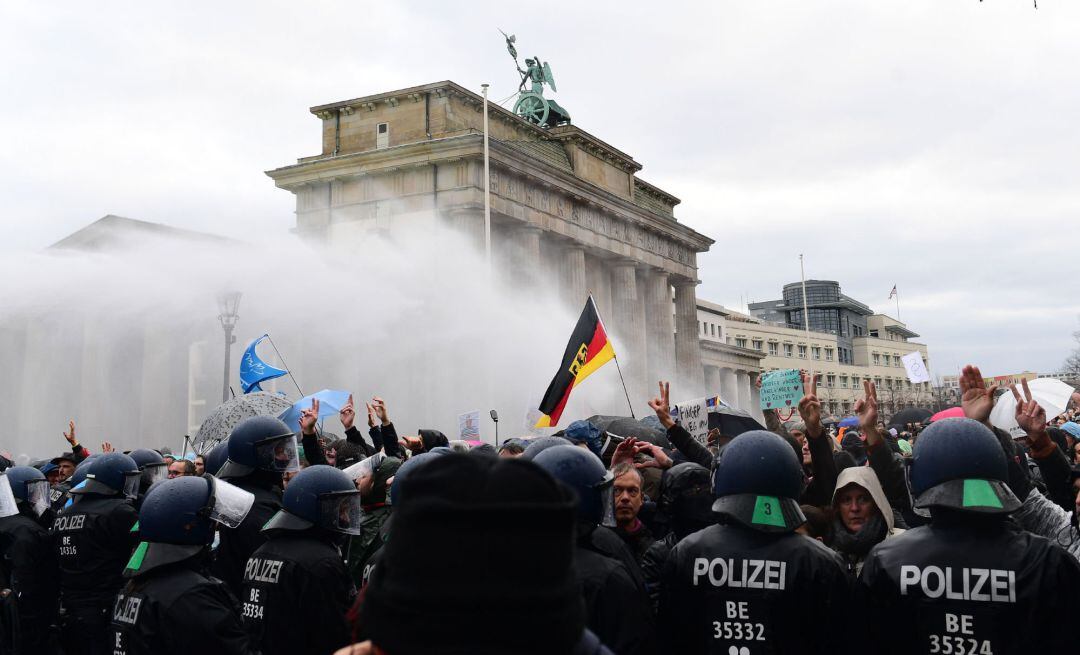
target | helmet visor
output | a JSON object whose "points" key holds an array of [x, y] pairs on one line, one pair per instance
{"points": [[37, 494], [229, 504], [365, 468], [156, 472], [8, 505], [341, 512], [131, 484], [278, 454]]}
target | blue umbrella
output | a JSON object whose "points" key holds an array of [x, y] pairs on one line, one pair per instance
{"points": [[848, 422], [330, 403]]}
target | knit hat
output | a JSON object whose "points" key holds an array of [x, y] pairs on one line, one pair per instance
{"points": [[487, 507], [432, 439]]}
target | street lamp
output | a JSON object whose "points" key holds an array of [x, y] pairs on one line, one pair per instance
{"points": [[228, 304]]}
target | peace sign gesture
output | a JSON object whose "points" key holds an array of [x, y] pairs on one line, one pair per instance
{"points": [[309, 417], [866, 408], [810, 406], [347, 414], [662, 405], [1029, 414]]}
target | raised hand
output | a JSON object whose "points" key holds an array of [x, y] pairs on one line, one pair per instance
{"points": [[810, 406], [107, 447], [866, 408], [309, 417], [1030, 416], [70, 434], [624, 452], [347, 414], [370, 415], [662, 405], [657, 457], [379, 405], [975, 397]]}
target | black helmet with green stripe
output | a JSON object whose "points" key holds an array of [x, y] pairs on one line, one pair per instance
{"points": [[958, 463], [757, 481]]}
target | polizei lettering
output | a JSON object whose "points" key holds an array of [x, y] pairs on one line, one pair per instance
{"points": [[126, 609], [982, 585], [65, 523], [263, 570], [741, 573]]}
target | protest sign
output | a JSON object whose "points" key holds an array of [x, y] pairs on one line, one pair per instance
{"points": [[469, 426], [916, 369], [694, 417], [781, 389]]}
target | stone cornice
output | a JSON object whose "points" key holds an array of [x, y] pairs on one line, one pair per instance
{"points": [[656, 192], [594, 146]]}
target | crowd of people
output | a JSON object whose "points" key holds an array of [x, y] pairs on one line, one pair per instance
{"points": [[951, 537]]}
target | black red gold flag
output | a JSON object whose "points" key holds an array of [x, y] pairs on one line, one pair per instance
{"points": [[588, 350]]}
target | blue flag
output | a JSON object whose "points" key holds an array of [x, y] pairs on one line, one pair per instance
{"points": [[254, 370]]}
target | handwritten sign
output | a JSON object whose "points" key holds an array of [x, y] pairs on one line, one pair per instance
{"points": [[469, 426], [916, 369], [781, 389], [694, 417]]}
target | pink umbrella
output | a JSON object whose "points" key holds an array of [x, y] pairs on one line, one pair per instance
{"points": [[952, 412]]}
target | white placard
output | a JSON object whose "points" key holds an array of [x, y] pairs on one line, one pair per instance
{"points": [[469, 426], [694, 417], [916, 369]]}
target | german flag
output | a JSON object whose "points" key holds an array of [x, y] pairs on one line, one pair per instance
{"points": [[588, 350]]}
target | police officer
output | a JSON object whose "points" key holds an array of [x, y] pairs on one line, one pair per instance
{"points": [[616, 604], [153, 468], [371, 476], [970, 581], [60, 494], [750, 584], [28, 569], [94, 539], [260, 449], [296, 587], [169, 604]]}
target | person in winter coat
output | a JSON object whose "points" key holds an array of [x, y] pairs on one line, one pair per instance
{"points": [[260, 450], [93, 539], [417, 604], [169, 605], [970, 577], [863, 517], [372, 477], [750, 580], [296, 588], [28, 568]]}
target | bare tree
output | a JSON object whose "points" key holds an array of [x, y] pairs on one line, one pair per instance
{"points": [[1072, 362]]}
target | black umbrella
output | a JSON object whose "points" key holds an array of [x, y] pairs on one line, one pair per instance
{"points": [[911, 415], [732, 422], [625, 426]]}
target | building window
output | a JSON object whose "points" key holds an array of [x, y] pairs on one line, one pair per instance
{"points": [[774, 348], [802, 352], [757, 344], [854, 382], [741, 343], [382, 136], [877, 359], [896, 361], [713, 328], [817, 352], [877, 382], [843, 382], [787, 350], [703, 328], [830, 380], [828, 354]]}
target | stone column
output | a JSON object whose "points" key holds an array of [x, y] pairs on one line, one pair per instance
{"points": [[687, 344], [728, 387], [713, 383], [528, 255], [598, 283], [743, 389], [659, 326], [470, 224], [573, 276], [755, 399], [627, 327]]}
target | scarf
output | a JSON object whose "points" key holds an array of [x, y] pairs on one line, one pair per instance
{"points": [[859, 544]]}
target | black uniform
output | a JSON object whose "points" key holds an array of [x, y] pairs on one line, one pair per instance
{"points": [[295, 594], [617, 610], [974, 585], [29, 569], [730, 588], [175, 609], [93, 539], [237, 544]]}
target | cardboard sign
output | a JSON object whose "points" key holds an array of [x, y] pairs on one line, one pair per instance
{"points": [[469, 426], [781, 389], [916, 370], [694, 417]]}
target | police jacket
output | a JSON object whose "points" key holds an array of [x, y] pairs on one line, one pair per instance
{"points": [[176, 609], [93, 541], [616, 609], [237, 544], [971, 585], [363, 546], [295, 594], [28, 567], [729, 588]]}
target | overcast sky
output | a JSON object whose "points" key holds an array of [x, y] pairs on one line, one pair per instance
{"points": [[928, 144]]}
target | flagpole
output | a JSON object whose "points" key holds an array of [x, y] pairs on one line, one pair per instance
{"points": [[806, 318], [897, 303], [289, 370]]}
